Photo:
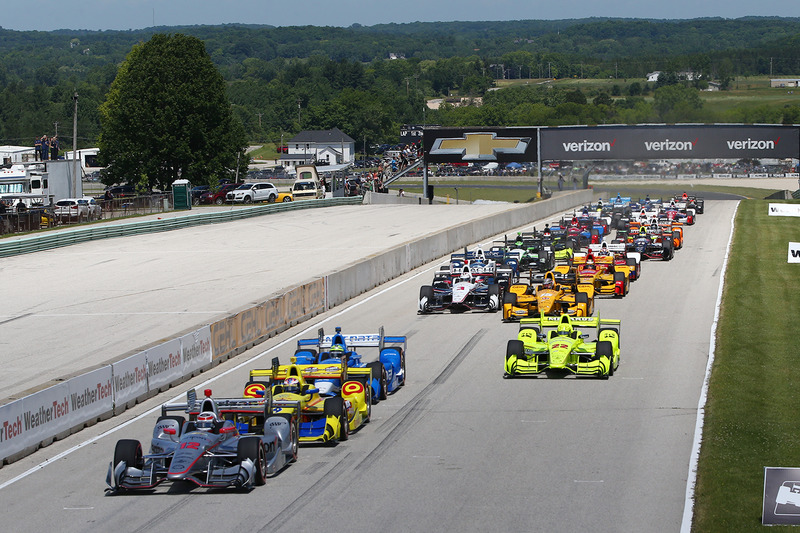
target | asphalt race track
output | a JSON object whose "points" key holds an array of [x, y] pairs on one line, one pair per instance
{"points": [[458, 448]]}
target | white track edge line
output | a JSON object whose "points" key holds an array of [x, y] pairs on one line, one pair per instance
{"points": [[691, 480]]}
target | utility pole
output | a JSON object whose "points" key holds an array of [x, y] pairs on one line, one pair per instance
{"points": [[298, 112], [55, 124], [75, 145], [259, 119]]}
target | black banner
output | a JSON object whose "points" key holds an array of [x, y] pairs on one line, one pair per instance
{"points": [[480, 145], [670, 142]]}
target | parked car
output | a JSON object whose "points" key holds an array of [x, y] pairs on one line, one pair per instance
{"points": [[217, 197], [253, 192], [71, 210], [198, 191], [93, 208], [121, 191]]}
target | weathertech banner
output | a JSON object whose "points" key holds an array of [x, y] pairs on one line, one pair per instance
{"points": [[794, 252], [480, 145], [669, 142], [784, 210]]}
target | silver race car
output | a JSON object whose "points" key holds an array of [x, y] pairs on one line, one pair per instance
{"points": [[233, 443]]}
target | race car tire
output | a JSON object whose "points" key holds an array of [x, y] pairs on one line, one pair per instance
{"points": [[510, 298], [403, 366], [295, 436], [130, 451], [335, 407], [252, 448], [179, 419], [368, 394], [676, 236], [426, 292], [515, 347], [668, 251], [604, 348], [631, 262], [619, 276], [494, 295], [379, 373]]}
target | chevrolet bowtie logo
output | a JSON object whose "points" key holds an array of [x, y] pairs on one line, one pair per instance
{"points": [[484, 146]]}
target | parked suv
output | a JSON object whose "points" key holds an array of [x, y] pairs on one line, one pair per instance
{"points": [[253, 192], [71, 210], [217, 197]]}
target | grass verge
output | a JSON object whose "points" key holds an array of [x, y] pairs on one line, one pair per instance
{"points": [[754, 392]]}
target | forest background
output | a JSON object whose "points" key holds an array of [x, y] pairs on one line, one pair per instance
{"points": [[370, 80]]}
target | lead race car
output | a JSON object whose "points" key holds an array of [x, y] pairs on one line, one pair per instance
{"points": [[225, 443], [554, 344]]}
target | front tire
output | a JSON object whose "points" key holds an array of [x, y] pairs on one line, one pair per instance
{"points": [[219, 201], [130, 451], [248, 200], [252, 448]]}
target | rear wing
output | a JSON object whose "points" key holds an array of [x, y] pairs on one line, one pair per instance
{"points": [[307, 372], [251, 406], [358, 340], [575, 321], [612, 247]]}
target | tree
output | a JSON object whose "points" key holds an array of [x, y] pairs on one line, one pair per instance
{"points": [[676, 102], [167, 116]]}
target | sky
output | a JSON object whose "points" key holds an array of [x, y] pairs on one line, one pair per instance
{"points": [[47, 15]]}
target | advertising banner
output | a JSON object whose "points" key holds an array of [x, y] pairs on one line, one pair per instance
{"points": [[195, 350], [784, 210], [223, 337], [129, 378], [91, 394], [794, 252], [670, 142], [480, 145], [164, 364], [12, 435], [47, 413], [781, 500]]}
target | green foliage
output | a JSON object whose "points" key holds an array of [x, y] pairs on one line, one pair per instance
{"points": [[167, 117], [753, 373]]}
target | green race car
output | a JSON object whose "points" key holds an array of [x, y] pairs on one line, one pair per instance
{"points": [[554, 344]]}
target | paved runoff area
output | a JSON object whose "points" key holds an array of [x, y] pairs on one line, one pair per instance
{"points": [[73, 308]]}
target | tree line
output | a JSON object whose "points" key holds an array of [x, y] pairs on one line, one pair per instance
{"points": [[280, 81]]}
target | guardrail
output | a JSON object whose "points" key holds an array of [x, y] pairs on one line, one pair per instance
{"points": [[57, 239]]}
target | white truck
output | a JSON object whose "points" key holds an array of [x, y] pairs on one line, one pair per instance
{"points": [[307, 185], [38, 183]]}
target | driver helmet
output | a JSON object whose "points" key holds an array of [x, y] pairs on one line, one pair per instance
{"points": [[564, 328], [604, 248], [548, 283], [337, 349], [205, 421], [291, 384], [465, 276], [685, 195], [654, 227], [642, 230]]}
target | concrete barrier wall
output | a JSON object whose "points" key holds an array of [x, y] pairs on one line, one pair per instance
{"points": [[53, 411]]}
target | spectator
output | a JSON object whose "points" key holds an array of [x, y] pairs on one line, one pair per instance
{"points": [[574, 183], [54, 148], [37, 148], [108, 195], [45, 148], [560, 181], [21, 207], [401, 193]]}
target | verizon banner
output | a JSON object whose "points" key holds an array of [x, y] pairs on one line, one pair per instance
{"points": [[794, 252], [670, 142], [784, 210], [480, 145]]}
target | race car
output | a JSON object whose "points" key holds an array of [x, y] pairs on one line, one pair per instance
{"points": [[650, 242], [331, 404], [555, 345], [388, 372], [621, 257], [232, 442], [548, 298], [473, 288], [603, 273]]}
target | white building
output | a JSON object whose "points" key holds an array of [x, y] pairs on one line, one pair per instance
{"points": [[327, 147]]}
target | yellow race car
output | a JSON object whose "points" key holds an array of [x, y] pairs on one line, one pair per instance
{"points": [[521, 300], [334, 399]]}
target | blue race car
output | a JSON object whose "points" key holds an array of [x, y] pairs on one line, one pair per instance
{"points": [[388, 371]]}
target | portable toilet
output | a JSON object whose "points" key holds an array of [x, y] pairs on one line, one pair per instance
{"points": [[181, 194]]}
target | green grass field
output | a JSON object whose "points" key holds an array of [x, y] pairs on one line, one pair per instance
{"points": [[754, 396]]}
